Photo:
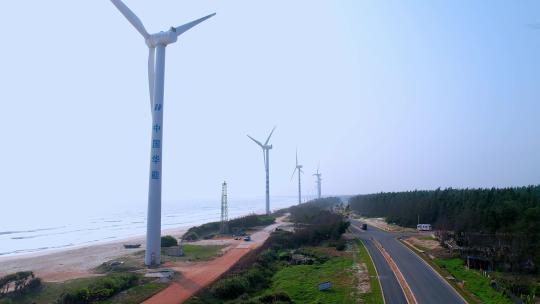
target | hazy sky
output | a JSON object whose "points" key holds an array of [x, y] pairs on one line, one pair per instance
{"points": [[386, 95]]}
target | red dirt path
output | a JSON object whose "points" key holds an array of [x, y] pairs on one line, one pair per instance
{"points": [[196, 276]]}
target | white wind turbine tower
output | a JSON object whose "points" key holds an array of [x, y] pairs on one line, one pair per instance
{"points": [[300, 171], [156, 73], [266, 156], [318, 175]]}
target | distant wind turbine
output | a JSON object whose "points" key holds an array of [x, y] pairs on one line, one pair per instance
{"points": [[156, 73], [300, 171], [266, 157], [318, 175]]}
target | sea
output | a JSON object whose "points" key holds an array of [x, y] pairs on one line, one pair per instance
{"points": [[76, 230]]}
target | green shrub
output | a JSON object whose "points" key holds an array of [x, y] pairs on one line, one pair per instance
{"points": [[278, 297], [191, 236], [168, 241], [18, 282], [208, 230], [78, 296], [102, 289], [257, 277], [341, 244], [230, 288]]}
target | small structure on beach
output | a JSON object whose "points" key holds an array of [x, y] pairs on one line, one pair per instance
{"points": [[175, 251]]}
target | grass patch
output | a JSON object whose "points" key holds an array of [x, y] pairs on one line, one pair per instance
{"points": [[426, 238], [137, 294], [375, 296], [301, 282], [128, 263], [192, 253], [196, 253], [473, 281], [423, 248]]}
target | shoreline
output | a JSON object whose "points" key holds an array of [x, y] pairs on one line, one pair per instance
{"points": [[63, 264]]}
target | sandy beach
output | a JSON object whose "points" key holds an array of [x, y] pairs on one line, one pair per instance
{"points": [[62, 265]]}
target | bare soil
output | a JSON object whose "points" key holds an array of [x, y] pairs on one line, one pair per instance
{"points": [[381, 224]]}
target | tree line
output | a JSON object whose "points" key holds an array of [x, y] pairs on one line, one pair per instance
{"points": [[507, 210], [510, 214]]}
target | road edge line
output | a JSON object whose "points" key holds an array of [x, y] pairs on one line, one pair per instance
{"points": [[433, 270], [407, 291], [376, 271]]}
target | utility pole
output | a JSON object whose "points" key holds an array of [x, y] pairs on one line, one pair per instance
{"points": [[224, 227]]}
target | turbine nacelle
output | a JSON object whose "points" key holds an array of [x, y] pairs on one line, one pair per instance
{"points": [[162, 38]]}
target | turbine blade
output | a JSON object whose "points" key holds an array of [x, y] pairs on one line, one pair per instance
{"points": [[183, 28], [292, 175], [151, 72], [268, 139], [131, 17], [256, 141], [297, 157]]}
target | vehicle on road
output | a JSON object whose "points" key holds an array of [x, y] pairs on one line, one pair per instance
{"points": [[247, 238], [423, 227], [364, 226]]}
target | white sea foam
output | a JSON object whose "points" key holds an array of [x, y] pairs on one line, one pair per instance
{"points": [[77, 229]]}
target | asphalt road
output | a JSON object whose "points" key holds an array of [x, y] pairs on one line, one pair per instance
{"points": [[391, 290], [428, 287]]}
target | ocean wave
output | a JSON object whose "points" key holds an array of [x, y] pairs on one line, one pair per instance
{"points": [[30, 250], [29, 231]]}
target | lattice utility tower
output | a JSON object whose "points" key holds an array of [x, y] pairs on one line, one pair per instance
{"points": [[224, 227]]}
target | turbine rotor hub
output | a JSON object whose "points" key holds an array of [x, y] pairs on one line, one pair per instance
{"points": [[162, 38]]}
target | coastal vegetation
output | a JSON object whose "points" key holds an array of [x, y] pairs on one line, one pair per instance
{"points": [[101, 289], [119, 281], [110, 288], [168, 241], [290, 264], [18, 283], [209, 230]]}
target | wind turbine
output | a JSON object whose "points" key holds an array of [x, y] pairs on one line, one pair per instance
{"points": [[156, 73], [266, 156], [318, 175], [300, 171]]}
